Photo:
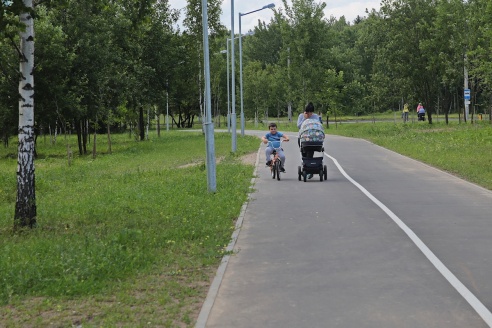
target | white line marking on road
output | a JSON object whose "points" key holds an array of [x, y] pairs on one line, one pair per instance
{"points": [[451, 278]]}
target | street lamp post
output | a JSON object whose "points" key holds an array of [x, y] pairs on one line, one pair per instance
{"points": [[233, 84], [466, 96], [167, 106], [229, 81], [228, 93], [209, 127], [241, 61]]}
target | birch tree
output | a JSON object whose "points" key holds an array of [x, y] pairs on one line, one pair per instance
{"points": [[25, 207]]}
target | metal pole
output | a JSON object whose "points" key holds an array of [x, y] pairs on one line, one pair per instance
{"points": [[233, 84], [437, 108], [289, 105], [209, 127], [228, 92], [167, 111], [467, 102], [241, 76]]}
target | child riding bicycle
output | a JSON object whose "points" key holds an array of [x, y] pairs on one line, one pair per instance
{"points": [[274, 137]]}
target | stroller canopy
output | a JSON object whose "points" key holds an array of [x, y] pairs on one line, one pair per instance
{"points": [[311, 130]]}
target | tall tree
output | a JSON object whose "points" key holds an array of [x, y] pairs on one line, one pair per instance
{"points": [[404, 56], [262, 52], [25, 207], [56, 97], [305, 48], [193, 23], [449, 34], [9, 83], [478, 35]]}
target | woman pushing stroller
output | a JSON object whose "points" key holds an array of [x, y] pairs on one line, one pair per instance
{"points": [[420, 112], [308, 114], [314, 124], [311, 138]]}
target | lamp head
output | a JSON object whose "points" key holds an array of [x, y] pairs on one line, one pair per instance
{"points": [[269, 6]]}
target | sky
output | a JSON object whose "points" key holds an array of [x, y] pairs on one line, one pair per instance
{"points": [[337, 8]]}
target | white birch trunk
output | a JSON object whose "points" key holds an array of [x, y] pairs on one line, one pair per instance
{"points": [[25, 207]]}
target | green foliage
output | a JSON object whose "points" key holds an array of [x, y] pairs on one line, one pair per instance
{"points": [[8, 86], [141, 211], [104, 61], [9, 22]]}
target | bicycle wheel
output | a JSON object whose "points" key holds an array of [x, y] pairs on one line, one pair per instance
{"points": [[277, 168], [272, 170]]}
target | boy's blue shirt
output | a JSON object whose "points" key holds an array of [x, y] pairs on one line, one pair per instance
{"points": [[274, 138]]}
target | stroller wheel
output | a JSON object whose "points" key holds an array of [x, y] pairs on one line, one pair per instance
{"points": [[320, 175], [325, 174], [299, 172], [305, 176]]}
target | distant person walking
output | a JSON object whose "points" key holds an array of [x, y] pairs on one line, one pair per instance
{"points": [[405, 113], [420, 112]]}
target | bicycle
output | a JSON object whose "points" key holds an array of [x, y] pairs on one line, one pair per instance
{"points": [[275, 162]]}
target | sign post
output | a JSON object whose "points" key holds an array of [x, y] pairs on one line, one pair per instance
{"points": [[467, 102]]}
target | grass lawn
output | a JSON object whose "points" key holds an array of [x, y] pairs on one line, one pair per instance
{"points": [[128, 239]]}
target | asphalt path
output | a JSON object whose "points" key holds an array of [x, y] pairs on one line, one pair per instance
{"points": [[386, 241]]}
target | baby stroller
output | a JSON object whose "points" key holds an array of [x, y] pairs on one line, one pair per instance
{"points": [[311, 138]]}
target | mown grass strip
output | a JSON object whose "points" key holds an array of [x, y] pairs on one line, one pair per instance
{"points": [[135, 229]]}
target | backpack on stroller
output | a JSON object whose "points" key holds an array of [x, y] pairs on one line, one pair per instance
{"points": [[311, 138]]}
